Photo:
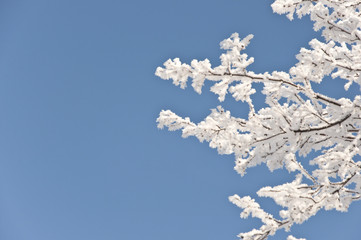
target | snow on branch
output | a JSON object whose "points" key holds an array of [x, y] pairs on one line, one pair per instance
{"points": [[283, 130]]}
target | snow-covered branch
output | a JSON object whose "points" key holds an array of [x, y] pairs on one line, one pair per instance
{"points": [[296, 120]]}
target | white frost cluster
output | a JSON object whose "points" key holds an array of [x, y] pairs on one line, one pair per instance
{"points": [[307, 121]]}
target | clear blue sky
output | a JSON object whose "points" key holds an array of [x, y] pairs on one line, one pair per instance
{"points": [[80, 154]]}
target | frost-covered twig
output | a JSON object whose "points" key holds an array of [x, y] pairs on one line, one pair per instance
{"points": [[277, 134]]}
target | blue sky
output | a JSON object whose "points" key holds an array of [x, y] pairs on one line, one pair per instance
{"points": [[80, 154]]}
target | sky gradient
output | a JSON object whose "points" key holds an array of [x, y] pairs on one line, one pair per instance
{"points": [[80, 154]]}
